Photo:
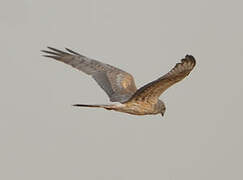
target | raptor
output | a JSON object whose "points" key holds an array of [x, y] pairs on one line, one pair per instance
{"points": [[120, 86]]}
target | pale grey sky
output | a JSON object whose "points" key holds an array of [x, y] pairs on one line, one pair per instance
{"points": [[43, 137]]}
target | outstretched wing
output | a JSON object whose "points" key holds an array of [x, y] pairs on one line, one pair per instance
{"points": [[118, 84], [151, 92]]}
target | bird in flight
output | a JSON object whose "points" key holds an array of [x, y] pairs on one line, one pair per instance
{"points": [[120, 86]]}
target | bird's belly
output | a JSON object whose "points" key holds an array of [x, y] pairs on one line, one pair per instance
{"points": [[137, 109]]}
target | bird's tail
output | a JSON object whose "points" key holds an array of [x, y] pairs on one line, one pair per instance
{"points": [[106, 106]]}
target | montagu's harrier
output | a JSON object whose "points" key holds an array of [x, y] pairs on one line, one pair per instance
{"points": [[119, 85]]}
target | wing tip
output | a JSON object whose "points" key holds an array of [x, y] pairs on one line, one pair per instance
{"points": [[189, 59], [49, 56], [58, 52], [73, 52], [53, 53]]}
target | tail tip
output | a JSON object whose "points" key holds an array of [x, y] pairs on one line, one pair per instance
{"points": [[76, 105]]}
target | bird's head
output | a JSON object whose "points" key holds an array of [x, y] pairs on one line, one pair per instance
{"points": [[162, 107]]}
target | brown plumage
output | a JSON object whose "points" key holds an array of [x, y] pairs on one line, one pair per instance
{"points": [[120, 86]]}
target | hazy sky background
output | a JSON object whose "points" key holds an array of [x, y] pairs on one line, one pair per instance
{"points": [[43, 137]]}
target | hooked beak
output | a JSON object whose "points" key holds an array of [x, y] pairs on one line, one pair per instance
{"points": [[162, 114]]}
